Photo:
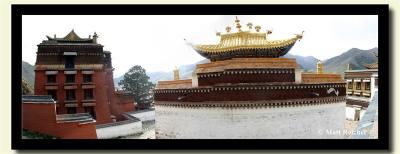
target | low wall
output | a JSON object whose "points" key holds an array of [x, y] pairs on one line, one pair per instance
{"points": [[320, 121], [41, 117], [118, 129], [144, 115]]}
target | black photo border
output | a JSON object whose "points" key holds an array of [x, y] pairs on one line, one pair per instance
{"points": [[382, 143]]}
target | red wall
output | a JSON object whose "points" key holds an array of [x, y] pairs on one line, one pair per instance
{"points": [[100, 92], [42, 118], [122, 104]]}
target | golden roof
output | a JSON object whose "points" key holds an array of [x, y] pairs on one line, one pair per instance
{"points": [[247, 40]]}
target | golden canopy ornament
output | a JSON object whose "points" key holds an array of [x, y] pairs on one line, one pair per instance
{"points": [[246, 44]]}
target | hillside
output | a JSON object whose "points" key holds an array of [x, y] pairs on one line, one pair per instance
{"points": [[28, 73], [356, 57], [306, 63]]}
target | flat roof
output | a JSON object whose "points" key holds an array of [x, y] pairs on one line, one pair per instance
{"points": [[37, 98]]}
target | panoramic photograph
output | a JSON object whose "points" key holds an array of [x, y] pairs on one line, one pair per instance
{"points": [[199, 77]]}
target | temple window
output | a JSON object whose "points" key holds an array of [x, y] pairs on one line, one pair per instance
{"points": [[70, 78], [71, 110], [88, 94], [350, 85], [53, 94], [367, 85], [358, 85], [70, 94], [69, 62], [51, 78], [87, 78]]}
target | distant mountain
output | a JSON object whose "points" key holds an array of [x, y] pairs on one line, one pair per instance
{"points": [[28, 73], [356, 57], [185, 71], [306, 63]]}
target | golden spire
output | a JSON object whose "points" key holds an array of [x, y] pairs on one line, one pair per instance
{"points": [[320, 67], [250, 25], [348, 66], [228, 29], [238, 26], [95, 36], [176, 73], [258, 28]]}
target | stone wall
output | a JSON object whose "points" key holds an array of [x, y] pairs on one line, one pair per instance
{"points": [[118, 129], [291, 122], [144, 115]]}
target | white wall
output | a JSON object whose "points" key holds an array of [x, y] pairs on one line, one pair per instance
{"points": [[145, 116], [114, 131], [316, 121]]}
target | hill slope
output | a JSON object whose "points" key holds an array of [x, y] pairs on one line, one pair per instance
{"points": [[28, 73], [356, 57]]}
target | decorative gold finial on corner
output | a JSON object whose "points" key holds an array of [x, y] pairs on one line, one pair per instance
{"points": [[269, 31], [228, 29], [238, 26], [95, 36], [176, 73], [300, 36], [250, 25], [320, 68], [258, 28]]}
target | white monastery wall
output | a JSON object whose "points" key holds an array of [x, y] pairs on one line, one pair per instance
{"points": [[321, 121], [144, 116], [114, 130]]}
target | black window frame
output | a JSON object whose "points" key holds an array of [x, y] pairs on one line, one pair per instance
{"points": [[53, 94], [350, 85], [367, 85], [69, 62], [87, 78], [88, 94], [52, 78], [70, 78], [358, 85], [69, 93]]}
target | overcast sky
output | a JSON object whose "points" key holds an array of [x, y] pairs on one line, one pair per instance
{"points": [[157, 42]]}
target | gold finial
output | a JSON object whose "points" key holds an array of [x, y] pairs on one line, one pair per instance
{"points": [[258, 28], [238, 26], [269, 31], [250, 25], [176, 73], [300, 36], [320, 67], [228, 29], [95, 36]]}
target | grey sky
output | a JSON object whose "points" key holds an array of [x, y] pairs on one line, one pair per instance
{"points": [[157, 42]]}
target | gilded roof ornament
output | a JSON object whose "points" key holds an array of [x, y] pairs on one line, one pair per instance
{"points": [[258, 28], [250, 25], [246, 44], [269, 31], [228, 29], [238, 26]]}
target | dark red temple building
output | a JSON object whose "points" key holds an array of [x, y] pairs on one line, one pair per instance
{"points": [[78, 74]]}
